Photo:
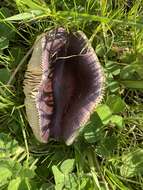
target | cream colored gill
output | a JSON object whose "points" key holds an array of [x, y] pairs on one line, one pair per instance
{"points": [[33, 77]]}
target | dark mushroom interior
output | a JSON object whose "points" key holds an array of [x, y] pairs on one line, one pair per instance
{"points": [[75, 87]]}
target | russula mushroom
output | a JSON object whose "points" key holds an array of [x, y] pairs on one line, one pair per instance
{"points": [[63, 85]]}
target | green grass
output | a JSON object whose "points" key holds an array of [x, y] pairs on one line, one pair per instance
{"points": [[109, 153]]}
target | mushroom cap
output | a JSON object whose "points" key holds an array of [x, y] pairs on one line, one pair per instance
{"points": [[63, 84]]}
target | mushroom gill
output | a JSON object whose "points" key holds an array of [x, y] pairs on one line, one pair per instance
{"points": [[63, 85]]}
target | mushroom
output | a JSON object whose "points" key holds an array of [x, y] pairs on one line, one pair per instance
{"points": [[63, 84]]}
